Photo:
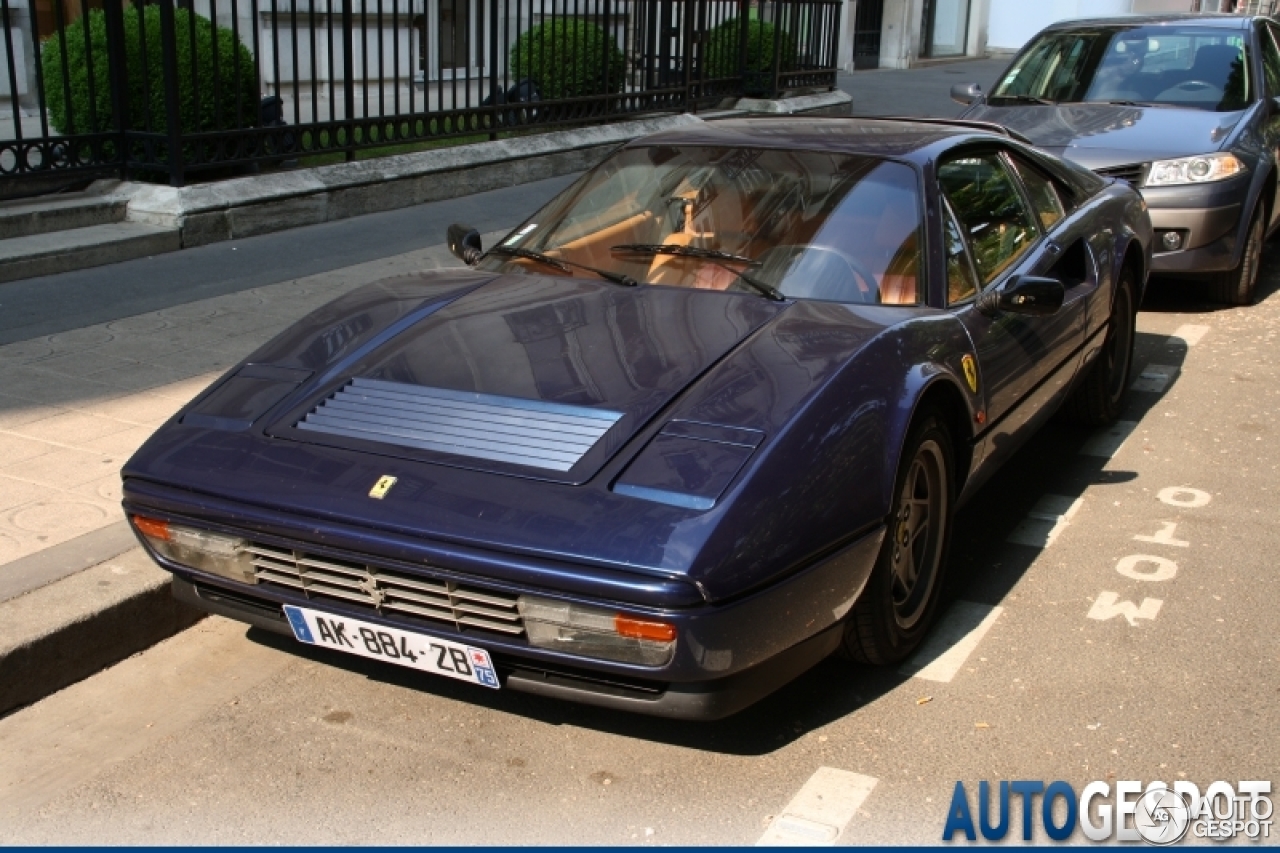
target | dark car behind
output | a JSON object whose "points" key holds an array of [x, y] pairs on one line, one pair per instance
{"points": [[1185, 107]]}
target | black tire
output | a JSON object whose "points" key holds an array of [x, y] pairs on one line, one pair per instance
{"points": [[1238, 286], [894, 612], [1099, 398]]}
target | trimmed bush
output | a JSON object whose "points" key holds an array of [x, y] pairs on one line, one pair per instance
{"points": [[724, 48], [146, 75], [566, 57]]}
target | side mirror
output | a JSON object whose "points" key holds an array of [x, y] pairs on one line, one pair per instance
{"points": [[464, 242], [966, 93], [1029, 295]]}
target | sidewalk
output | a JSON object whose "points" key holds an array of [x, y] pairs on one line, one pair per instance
{"points": [[74, 406]]}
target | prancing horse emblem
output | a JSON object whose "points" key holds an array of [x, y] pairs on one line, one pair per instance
{"points": [[380, 488], [970, 371]]}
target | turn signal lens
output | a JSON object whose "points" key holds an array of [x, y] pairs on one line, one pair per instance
{"points": [[643, 629], [199, 549], [594, 632], [152, 528]]}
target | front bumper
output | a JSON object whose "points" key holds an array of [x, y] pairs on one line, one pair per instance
{"points": [[728, 654], [707, 700], [1208, 219], [1208, 239]]}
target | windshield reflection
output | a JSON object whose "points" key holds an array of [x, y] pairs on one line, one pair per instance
{"points": [[802, 224], [1178, 66]]}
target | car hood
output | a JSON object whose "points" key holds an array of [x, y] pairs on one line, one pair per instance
{"points": [[1100, 135], [736, 368], [526, 375]]}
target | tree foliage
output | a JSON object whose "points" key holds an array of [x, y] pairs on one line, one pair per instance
{"points": [[724, 51], [206, 101], [569, 58]]}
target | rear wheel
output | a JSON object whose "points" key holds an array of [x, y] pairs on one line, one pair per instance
{"points": [[900, 601], [1237, 286], [1099, 398]]}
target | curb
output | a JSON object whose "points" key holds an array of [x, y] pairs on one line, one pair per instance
{"points": [[59, 634]]}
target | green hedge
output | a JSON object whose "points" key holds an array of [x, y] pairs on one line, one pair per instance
{"points": [[724, 48], [206, 113], [565, 59]]}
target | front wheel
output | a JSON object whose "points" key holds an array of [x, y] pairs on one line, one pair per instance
{"points": [[1237, 286], [1099, 398], [895, 610]]}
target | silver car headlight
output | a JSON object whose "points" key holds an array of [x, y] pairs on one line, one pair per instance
{"points": [[200, 549], [1201, 169], [595, 632]]}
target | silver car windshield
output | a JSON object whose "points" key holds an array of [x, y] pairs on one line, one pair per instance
{"points": [[784, 224], [1180, 66]]}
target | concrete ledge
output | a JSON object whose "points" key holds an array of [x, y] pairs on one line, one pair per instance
{"points": [[242, 207], [66, 631], [77, 248], [827, 103]]}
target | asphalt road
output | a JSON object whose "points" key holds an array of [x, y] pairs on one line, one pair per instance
{"points": [[1138, 643], [57, 303]]}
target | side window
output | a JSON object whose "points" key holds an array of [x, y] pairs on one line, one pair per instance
{"points": [[1270, 59], [992, 216], [960, 281], [1045, 200]]}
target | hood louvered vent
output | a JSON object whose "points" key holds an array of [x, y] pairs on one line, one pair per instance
{"points": [[483, 426]]}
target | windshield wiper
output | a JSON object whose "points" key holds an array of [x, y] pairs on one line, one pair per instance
{"points": [[684, 251], [717, 257], [562, 264], [1026, 99], [1124, 103]]}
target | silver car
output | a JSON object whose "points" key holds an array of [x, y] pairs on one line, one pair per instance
{"points": [[1184, 107]]}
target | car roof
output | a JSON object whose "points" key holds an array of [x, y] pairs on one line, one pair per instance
{"points": [[880, 137], [1213, 20]]}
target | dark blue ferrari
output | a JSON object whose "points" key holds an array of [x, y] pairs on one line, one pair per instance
{"points": [[700, 422]]}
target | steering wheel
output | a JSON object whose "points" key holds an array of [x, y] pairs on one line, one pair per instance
{"points": [[1191, 86]]}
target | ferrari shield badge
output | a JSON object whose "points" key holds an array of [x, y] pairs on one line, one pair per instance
{"points": [[380, 488], [970, 371]]}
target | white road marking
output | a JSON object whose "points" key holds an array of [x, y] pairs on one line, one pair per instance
{"points": [[1107, 605], [1184, 497], [820, 811], [1164, 569], [1049, 517], [951, 641], [1164, 536], [1154, 378], [1190, 334], [1107, 443]]}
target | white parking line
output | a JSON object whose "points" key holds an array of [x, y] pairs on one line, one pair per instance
{"points": [[820, 811], [1107, 443], [1154, 378], [1049, 517], [952, 640], [1190, 334]]}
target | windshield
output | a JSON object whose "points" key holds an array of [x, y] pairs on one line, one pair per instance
{"points": [[796, 224], [1182, 66]]}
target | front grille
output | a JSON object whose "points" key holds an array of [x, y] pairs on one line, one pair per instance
{"points": [[387, 591], [1134, 173]]}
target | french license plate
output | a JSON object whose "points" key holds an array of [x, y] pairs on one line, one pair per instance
{"points": [[416, 651]]}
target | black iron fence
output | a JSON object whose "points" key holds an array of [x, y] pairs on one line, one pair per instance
{"points": [[165, 90]]}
